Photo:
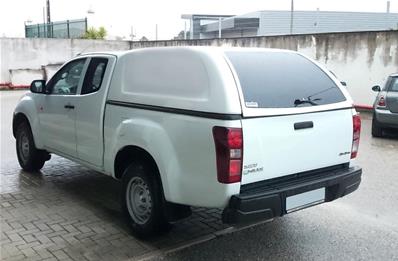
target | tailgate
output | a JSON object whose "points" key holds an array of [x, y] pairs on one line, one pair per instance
{"points": [[274, 147]]}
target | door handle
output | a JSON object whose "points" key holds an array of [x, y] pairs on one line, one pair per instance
{"points": [[69, 106], [303, 125]]}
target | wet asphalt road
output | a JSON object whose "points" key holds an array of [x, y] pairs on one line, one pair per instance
{"points": [[360, 226]]}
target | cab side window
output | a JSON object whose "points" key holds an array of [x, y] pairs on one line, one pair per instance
{"points": [[94, 76], [66, 81]]}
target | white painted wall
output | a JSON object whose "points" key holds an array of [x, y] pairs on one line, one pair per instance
{"points": [[23, 60], [362, 59], [23, 76]]}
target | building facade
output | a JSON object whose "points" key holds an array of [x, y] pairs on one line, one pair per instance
{"points": [[267, 23]]}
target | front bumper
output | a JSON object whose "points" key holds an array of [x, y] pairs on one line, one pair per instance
{"points": [[268, 200]]}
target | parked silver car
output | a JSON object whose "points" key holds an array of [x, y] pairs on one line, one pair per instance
{"points": [[385, 106]]}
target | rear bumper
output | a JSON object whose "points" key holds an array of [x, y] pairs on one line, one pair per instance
{"points": [[269, 200], [386, 118]]}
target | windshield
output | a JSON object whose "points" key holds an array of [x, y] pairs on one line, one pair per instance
{"points": [[282, 80]]}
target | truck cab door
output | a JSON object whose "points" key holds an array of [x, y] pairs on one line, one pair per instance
{"points": [[57, 111], [90, 108]]}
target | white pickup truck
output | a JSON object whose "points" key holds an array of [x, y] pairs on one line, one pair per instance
{"points": [[257, 132]]}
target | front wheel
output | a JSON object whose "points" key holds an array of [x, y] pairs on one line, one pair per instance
{"points": [[29, 157], [142, 200]]}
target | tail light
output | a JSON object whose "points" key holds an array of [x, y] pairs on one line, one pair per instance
{"points": [[229, 153], [356, 121], [382, 102]]}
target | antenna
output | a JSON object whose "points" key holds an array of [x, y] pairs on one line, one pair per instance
{"points": [[85, 48]]}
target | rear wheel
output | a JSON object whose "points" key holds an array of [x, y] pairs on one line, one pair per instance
{"points": [[142, 200], [29, 157], [377, 131]]}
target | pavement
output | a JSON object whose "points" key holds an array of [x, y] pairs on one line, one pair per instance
{"points": [[67, 212]]}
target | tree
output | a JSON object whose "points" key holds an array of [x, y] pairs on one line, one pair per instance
{"points": [[101, 32], [180, 35], [143, 39], [93, 33]]}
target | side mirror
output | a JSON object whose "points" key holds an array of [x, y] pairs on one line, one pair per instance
{"points": [[344, 84], [376, 88], [38, 86]]}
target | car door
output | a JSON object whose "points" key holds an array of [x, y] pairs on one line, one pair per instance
{"points": [[392, 95], [57, 109], [90, 106]]}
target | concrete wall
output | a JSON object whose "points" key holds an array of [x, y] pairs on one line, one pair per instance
{"points": [[362, 59], [23, 60]]}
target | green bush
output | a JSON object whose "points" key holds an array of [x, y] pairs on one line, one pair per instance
{"points": [[93, 33]]}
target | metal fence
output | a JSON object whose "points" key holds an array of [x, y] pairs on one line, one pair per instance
{"points": [[64, 29]]}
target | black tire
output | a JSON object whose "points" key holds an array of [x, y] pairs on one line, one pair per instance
{"points": [[142, 201], [29, 157], [377, 131]]}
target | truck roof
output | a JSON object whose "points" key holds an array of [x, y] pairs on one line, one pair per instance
{"points": [[188, 78], [203, 49]]}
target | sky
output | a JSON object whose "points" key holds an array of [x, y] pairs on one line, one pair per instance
{"points": [[119, 16]]}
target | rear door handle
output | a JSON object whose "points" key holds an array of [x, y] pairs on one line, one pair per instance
{"points": [[303, 125], [69, 106]]}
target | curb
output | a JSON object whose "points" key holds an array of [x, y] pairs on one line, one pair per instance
{"points": [[363, 108], [10, 86]]}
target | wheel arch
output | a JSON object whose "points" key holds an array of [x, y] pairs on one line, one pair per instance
{"points": [[130, 153], [26, 110], [18, 119]]}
